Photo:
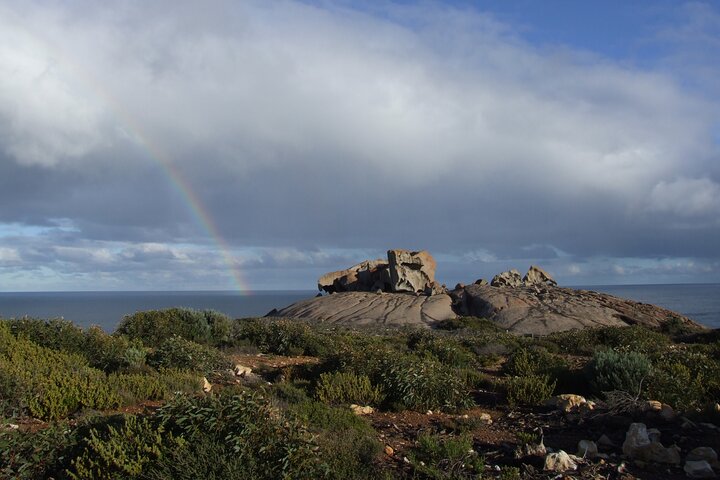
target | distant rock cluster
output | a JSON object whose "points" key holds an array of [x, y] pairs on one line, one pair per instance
{"points": [[402, 290]]}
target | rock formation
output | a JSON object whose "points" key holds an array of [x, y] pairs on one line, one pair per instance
{"points": [[367, 276], [405, 271], [380, 292]]}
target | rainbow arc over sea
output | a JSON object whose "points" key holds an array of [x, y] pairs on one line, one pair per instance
{"points": [[180, 184]]}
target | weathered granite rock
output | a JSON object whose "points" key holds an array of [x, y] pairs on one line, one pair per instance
{"points": [[540, 311], [511, 278], [366, 276], [363, 308], [537, 276], [639, 446], [587, 449], [698, 469], [410, 271], [559, 462]]}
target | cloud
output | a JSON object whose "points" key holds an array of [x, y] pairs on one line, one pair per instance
{"points": [[687, 197], [313, 135]]}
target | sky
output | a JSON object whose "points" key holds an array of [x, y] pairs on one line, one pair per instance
{"points": [[250, 145]]}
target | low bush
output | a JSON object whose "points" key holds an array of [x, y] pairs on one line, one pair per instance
{"points": [[31, 455], [49, 384], [177, 352], [422, 384], [282, 337], [153, 327], [244, 427], [468, 323], [528, 390], [685, 379], [448, 351], [347, 387], [122, 451], [533, 361], [348, 443], [439, 457], [610, 370]]}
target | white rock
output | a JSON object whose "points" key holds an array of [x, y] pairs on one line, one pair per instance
{"points": [[559, 462], [635, 439], [207, 386], [702, 453], [242, 370], [361, 410], [485, 419]]}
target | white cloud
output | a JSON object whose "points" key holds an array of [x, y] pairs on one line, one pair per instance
{"points": [[686, 197]]}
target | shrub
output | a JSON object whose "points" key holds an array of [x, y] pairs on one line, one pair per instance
{"points": [[469, 323], [685, 379], [346, 387], [282, 337], [347, 442], [51, 384], [446, 350], [133, 388], [529, 390], [533, 361], [451, 457], [177, 352], [121, 452], [610, 370], [419, 384], [30, 455], [245, 427], [153, 327]]}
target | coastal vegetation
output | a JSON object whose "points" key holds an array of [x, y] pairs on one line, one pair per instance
{"points": [[180, 393]]}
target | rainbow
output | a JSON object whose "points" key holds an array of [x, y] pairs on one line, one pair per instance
{"points": [[194, 205]]}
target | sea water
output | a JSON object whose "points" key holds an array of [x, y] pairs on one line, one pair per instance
{"points": [[701, 302]]}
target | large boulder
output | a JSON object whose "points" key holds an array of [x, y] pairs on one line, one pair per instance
{"points": [[363, 308], [511, 278], [411, 272], [537, 276], [367, 276], [543, 310]]}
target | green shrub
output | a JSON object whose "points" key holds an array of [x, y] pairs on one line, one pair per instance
{"points": [[610, 370], [421, 384], [51, 384], [447, 458], [348, 443], [533, 361], [634, 338], [346, 387], [529, 390], [469, 323], [685, 379], [282, 337], [153, 327], [122, 452], [133, 388], [446, 350], [177, 352], [247, 427], [30, 455]]}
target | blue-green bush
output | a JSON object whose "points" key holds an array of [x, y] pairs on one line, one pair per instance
{"points": [[626, 371], [153, 327]]}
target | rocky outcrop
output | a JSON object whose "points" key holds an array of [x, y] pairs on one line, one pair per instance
{"points": [[537, 276], [364, 308], [366, 276], [511, 278], [411, 272], [543, 310], [405, 271]]}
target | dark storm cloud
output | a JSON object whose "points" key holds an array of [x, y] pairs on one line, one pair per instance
{"points": [[316, 137]]}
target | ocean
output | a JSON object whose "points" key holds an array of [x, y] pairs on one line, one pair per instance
{"points": [[701, 302]]}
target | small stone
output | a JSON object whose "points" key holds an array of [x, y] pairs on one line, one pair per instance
{"points": [[698, 469], [429, 412], [587, 449], [667, 413], [389, 451], [567, 402], [559, 462], [207, 386], [702, 453], [361, 410], [485, 419], [406, 460], [652, 406], [242, 371]]}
